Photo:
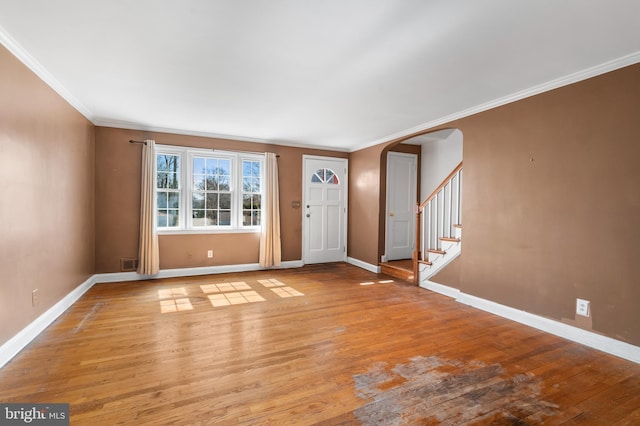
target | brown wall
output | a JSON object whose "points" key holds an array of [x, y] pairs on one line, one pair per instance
{"points": [[449, 275], [47, 210], [118, 204], [552, 204], [364, 205]]}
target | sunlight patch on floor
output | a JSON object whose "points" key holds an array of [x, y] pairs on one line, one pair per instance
{"points": [[222, 287], [175, 305], [377, 282], [235, 298], [271, 283], [170, 293], [286, 292], [174, 300], [223, 294]]}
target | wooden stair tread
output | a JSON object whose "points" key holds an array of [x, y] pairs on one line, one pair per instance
{"points": [[451, 239], [457, 225], [398, 269], [435, 251], [425, 262]]}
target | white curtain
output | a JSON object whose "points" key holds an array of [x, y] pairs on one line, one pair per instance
{"points": [[148, 257], [270, 250]]}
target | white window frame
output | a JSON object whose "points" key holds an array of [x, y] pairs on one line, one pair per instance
{"points": [[186, 155]]}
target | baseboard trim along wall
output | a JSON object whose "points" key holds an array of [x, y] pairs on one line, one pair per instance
{"points": [[189, 272], [569, 332], [364, 265], [18, 342], [605, 344]]}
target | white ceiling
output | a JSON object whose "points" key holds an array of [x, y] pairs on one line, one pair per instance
{"points": [[340, 74]]}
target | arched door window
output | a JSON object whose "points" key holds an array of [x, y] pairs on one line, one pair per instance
{"points": [[325, 176]]}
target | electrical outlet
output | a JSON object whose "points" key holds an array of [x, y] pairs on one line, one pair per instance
{"points": [[582, 307], [34, 297], [210, 254]]}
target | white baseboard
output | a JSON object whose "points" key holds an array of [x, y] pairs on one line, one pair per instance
{"points": [[606, 344], [569, 332], [18, 342], [454, 293], [364, 265], [189, 272]]}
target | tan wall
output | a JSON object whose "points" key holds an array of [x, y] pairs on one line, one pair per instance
{"points": [[364, 205], [47, 210], [118, 204], [449, 275], [552, 204]]}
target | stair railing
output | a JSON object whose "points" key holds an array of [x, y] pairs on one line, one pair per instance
{"points": [[436, 219]]}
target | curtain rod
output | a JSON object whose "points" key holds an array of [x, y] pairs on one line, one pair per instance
{"points": [[213, 149]]}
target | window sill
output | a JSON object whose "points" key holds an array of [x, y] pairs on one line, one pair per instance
{"points": [[208, 231]]}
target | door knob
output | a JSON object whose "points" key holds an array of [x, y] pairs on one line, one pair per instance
{"points": [[308, 215]]}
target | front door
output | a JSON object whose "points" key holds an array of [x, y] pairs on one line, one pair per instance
{"points": [[401, 204], [324, 209]]}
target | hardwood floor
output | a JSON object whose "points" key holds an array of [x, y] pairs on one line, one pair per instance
{"points": [[324, 344]]}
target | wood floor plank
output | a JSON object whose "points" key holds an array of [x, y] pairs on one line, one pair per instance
{"points": [[340, 346]]}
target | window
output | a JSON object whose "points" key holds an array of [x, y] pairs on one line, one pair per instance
{"points": [[325, 176], [204, 190], [211, 192], [168, 190], [251, 192]]}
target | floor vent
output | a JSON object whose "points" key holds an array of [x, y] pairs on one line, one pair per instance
{"points": [[128, 265]]}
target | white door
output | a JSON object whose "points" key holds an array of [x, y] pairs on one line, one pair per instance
{"points": [[324, 209], [402, 179]]}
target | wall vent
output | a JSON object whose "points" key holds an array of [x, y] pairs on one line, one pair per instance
{"points": [[128, 264]]}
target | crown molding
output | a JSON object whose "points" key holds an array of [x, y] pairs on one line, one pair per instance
{"points": [[631, 59], [103, 122], [30, 62]]}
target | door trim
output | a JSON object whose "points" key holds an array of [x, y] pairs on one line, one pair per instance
{"points": [[345, 196], [412, 237]]}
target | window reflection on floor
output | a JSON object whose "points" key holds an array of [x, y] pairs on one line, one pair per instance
{"points": [[174, 300], [272, 282], [224, 294], [286, 292], [235, 298], [377, 282]]}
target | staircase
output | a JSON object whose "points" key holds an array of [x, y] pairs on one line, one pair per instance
{"points": [[401, 269], [438, 228]]}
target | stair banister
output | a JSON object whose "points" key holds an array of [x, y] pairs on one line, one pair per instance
{"points": [[436, 222]]}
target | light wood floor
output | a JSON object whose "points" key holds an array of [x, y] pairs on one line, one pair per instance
{"points": [[326, 344]]}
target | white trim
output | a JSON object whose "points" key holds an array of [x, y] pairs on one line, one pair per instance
{"points": [[364, 265], [566, 80], [18, 342], [387, 216], [30, 62], [454, 293], [606, 344], [344, 162], [575, 334], [103, 122], [189, 272]]}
